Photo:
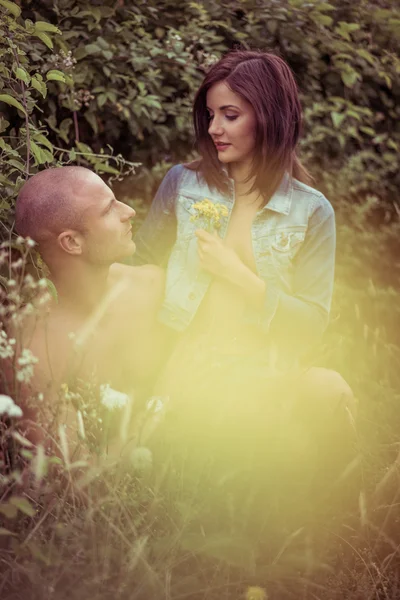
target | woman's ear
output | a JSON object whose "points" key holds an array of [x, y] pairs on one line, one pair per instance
{"points": [[71, 242]]}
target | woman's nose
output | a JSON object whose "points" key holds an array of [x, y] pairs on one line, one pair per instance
{"points": [[215, 127]]}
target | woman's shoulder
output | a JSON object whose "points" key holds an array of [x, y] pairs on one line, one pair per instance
{"points": [[312, 197], [186, 176], [180, 172]]}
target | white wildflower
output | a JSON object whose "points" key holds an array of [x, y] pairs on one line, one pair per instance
{"points": [[17, 264], [156, 403], [29, 282], [30, 242], [111, 398], [6, 345], [8, 407], [141, 459], [26, 362], [20, 240], [11, 283]]}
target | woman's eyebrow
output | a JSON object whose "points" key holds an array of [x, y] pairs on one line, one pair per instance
{"points": [[224, 107]]}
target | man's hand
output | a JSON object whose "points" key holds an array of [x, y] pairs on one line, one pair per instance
{"points": [[217, 258]]}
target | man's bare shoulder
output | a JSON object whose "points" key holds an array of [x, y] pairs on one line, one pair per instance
{"points": [[145, 274], [143, 284]]}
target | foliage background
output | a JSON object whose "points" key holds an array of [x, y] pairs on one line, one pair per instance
{"points": [[109, 85]]}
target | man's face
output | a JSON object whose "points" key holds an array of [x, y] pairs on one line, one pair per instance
{"points": [[106, 223]]}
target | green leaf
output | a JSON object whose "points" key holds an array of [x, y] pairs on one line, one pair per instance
{"points": [[368, 131], [84, 148], [387, 79], [4, 531], [21, 74], [23, 505], [91, 119], [12, 102], [55, 75], [321, 19], [337, 118], [349, 78], [105, 168], [43, 26], [44, 38], [366, 55], [21, 439], [26, 454], [52, 289], [101, 100], [8, 510], [40, 86], [38, 153], [41, 139], [13, 8], [17, 164]]}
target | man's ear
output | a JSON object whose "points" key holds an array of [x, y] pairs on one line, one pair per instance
{"points": [[71, 242]]}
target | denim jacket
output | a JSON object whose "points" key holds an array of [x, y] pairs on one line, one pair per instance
{"points": [[293, 240]]}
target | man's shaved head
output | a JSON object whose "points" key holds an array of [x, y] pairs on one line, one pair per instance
{"points": [[47, 203], [73, 215]]}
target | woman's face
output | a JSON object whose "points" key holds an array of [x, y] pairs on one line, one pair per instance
{"points": [[232, 124]]}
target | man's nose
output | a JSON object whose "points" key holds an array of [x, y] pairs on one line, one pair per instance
{"points": [[128, 213]]}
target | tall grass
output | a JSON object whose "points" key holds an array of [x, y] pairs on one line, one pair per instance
{"points": [[181, 520]]}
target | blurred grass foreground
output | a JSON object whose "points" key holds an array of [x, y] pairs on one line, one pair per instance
{"points": [[109, 85]]}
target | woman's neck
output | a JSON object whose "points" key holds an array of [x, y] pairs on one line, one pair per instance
{"points": [[240, 173]]}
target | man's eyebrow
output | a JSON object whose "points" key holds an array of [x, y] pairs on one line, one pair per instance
{"points": [[103, 212]]}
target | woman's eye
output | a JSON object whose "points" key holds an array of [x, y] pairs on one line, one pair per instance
{"points": [[231, 117], [209, 117]]}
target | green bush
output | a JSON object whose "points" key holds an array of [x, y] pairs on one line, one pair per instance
{"points": [[124, 75], [77, 77]]}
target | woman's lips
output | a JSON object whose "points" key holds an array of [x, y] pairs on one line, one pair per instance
{"points": [[221, 146]]}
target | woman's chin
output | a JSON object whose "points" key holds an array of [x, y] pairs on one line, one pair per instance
{"points": [[224, 159]]}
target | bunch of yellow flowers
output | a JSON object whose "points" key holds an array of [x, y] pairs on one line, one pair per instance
{"points": [[256, 593], [209, 213]]}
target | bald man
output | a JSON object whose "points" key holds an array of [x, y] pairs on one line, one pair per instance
{"points": [[102, 326]]}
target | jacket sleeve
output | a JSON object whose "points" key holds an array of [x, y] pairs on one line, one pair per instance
{"points": [[157, 234], [301, 317]]}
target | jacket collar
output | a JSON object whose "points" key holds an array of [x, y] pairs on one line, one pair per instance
{"points": [[281, 200]]}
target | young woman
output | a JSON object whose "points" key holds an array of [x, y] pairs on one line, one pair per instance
{"points": [[255, 295]]}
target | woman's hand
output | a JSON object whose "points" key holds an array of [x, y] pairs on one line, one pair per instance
{"points": [[220, 260], [216, 257]]}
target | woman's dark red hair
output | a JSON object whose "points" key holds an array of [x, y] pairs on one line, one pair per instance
{"points": [[268, 84]]}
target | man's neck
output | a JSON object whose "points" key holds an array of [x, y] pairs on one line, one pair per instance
{"points": [[81, 288]]}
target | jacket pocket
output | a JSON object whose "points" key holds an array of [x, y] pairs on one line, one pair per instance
{"points": [[276, 253]]}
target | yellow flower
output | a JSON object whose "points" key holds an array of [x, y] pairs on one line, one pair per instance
{"points": [[210, 212], [256, 593]]}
